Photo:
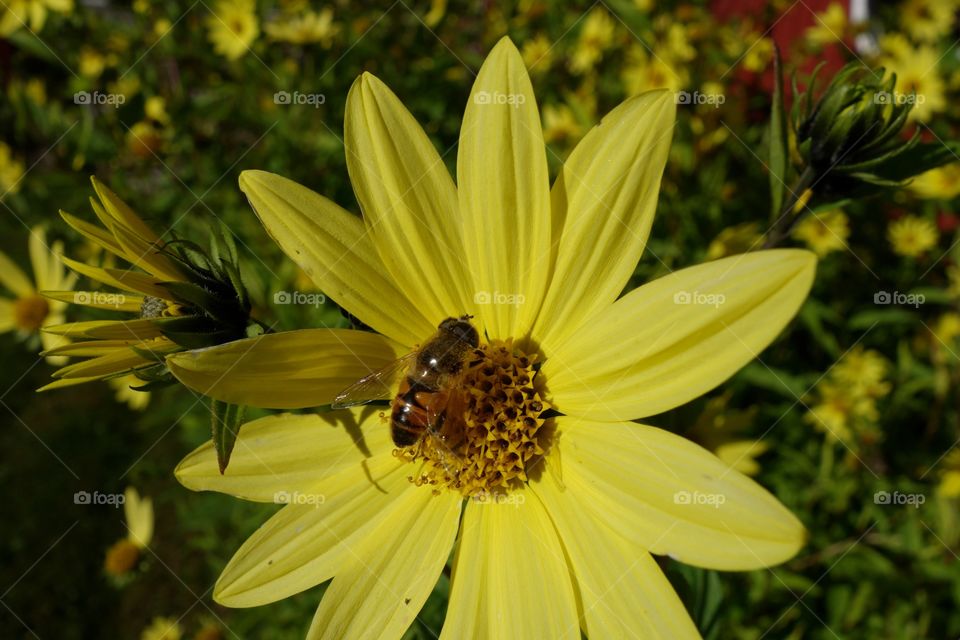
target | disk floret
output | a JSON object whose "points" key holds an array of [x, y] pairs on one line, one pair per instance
{"points": [[491, 436]]}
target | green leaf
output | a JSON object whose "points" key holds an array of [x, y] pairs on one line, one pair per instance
{"points": [[225, 425], [779, 154], [867, 319]]}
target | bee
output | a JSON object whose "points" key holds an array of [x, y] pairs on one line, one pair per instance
{"points": [[428, 387]]}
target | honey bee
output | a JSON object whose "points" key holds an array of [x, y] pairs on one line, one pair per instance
{"points": [[428, 387]]}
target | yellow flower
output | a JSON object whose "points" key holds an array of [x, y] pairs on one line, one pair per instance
{"points": [[559, 124], [125, 393], [645, 72], [538, 54], [941, 183], [124, 554], [947, 328], [846, 408], [29, 312], [162, 629], [233, 26], [824, 232], [912, 236], [862, 372], [29, 14], [918, 79], [554, 536], [144, 139], [304, 29], [739, 238], [949, 486], [92, 63], [11, 171], [595, 37], [155, 108], [676, 46], [927, 20], [742, 455], [830, 25], [758, 56]]}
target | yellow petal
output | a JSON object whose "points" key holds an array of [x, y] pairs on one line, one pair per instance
{"points": [[7, 319], [605, 198], [65, 382], [408, 199], [139, 514], [38, 249], [103, 347], [678, 337], [510, 578], [309, 541], [504, 194], [95, 234], [623, 593], [288, 370], [334, 248], [98, 299], [287, 453], [116, 361], [107, 329], [13, 278], [388, 575], [673, 497], [121, 279], [122, 213]]}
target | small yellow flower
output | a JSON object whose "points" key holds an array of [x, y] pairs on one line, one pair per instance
{"points": [[862, 372], [912, 236], [92, 63], [155, 108], [829, 25], [824, 232], [538, 54], [162, 629], [949, 485], [144, 139], [595, 37], [11, 171], [542, 527], [233, 26], [305, 29], [676, 46], [29, 312], [918, 77], [124, 554], [559, 124], [739, 238], [845, 408], [29, 14], [947, 328], [742, 455], [942, 183], [645, 72], [928, 20], [758, 56]]}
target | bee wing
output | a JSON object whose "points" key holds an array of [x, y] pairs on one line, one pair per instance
{"points": [[379, 385]]}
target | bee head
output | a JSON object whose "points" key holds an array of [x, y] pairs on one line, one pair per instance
{"points": [[461, 329]]}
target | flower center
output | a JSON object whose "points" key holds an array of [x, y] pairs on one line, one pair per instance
{"points": [[121, 557], [30, 312], [491, 430]]}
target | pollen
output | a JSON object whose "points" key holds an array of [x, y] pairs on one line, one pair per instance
{"points": [[492, 433]]}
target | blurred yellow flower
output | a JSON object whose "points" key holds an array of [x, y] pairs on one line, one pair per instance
{"points": [[739, 238], [949, 485], [846, 399], [862, 372], [928, 20], [560, 125], [645, 72], [233, 26], [162, 629], [538, 54], [595, 37], [676, 46], [829, 25], [824, 232], [29, 312], [758, 56], [438, 9], [912, 236], [306, 28], [155, 108], [11, 171], [126, 394], [918, 77], [30, 14], [144, 139], [941, 183], [124, 554], [742, 455]]}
